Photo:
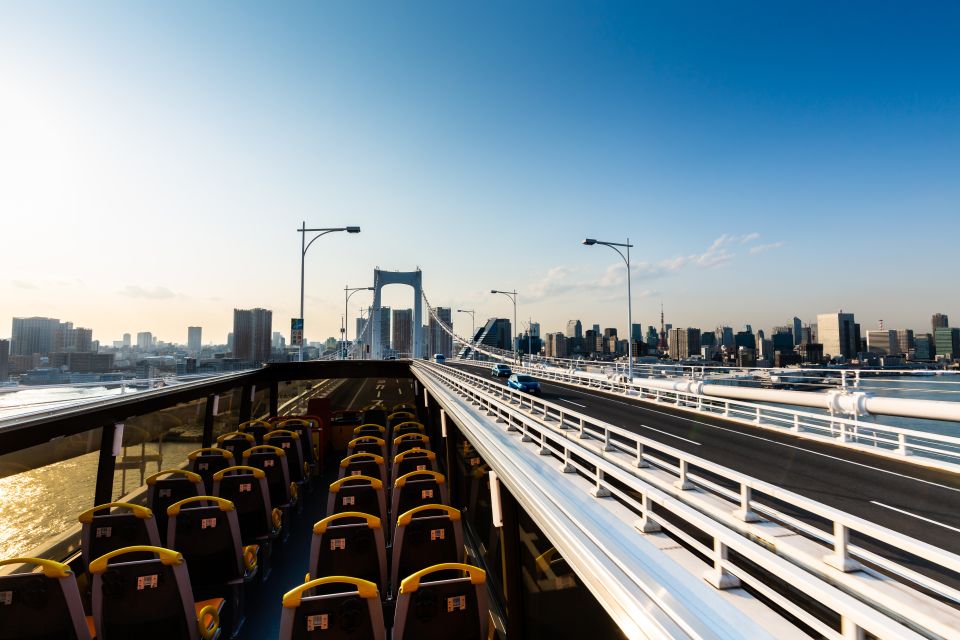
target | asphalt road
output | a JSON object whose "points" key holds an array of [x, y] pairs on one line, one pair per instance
{"points": [[917, 501]]}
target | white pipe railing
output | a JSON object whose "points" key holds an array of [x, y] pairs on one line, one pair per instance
{"points": [[615, 466]]}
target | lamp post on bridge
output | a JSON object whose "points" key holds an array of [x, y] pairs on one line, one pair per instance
{"points": [[304, 245], [626, 258], [346, 323], [513, 298], [473, 328]]}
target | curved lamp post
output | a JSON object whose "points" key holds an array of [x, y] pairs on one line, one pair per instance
{"points": [[626, 258]]}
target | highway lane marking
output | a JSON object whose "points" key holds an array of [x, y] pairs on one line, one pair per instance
{"points": [[671, 435], [792, 446], [914, 515], [357, 394], [572, 402]]}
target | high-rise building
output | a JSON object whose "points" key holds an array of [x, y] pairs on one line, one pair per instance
{"points": [[535, 329], [441, 341], [939, 321], [33, 336], [883, 342], [596, 329], [684, 343], [557, 345], [797, 330], [4, 360], [924, 347], [194, 339], [636, 332], [905, 341], [590, 340], [782, 341], [126, 341], [144, 341], [385, 328], [806, 335], [947, 341], [653, 338], [839, 334], [574, 329], [725, 337], [746, 340], [496, 333], [251, 334], [83, 340], [402, 337]]}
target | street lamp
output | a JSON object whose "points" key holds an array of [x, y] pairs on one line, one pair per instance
{"points": [[513, 297], [473, 328], [346, 300], [304, 245], [626, 258]]}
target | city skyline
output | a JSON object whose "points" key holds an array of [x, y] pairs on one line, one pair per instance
{"points": [[748, 168]]}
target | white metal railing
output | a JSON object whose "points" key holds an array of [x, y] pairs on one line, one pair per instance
{"points": [[622, 456], [910, 445]]}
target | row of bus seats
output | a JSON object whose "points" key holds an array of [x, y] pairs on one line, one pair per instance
{"points": [[356, 562], [173, 568]]}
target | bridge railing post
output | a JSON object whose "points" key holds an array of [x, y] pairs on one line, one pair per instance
{"points": [[718, 576], [745, 512], [640, 462], [840, 558], [682, 483]]}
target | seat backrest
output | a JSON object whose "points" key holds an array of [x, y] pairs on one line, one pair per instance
{"points": [[104, 530], [398, 417], [304, 428], [41, 606], [350, 543], [273, 462], [257, 428], [358, 493], [142, 599], [246, 488], [292, 446], [408, 441], [206, 531], [367, 444], [415, 459], [236, 443], [416, 488], [370, 430], [409, 426], [443, 601], [426, 535], [168, 487], [363, 464], [206, 462], [404, 406], [375, 416], [342, 608]]}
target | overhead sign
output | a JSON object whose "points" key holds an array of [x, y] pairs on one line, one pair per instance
{"points": [[296, 332]]}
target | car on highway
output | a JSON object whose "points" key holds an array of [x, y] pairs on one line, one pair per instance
{"points": [[525, 383], [439, 357], [500, 371]]}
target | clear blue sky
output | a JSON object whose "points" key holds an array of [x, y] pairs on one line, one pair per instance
{"points": [[767, 159]]}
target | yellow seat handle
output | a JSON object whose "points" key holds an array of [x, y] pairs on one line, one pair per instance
{"points": [[193, 455], [402, 480], [138, 510], [235, 434], [251, 556], [50, 568], [257, 473], [403, 424], [277, 516], [374, 482], [429, 455], [168, 557], [254, 423], [282, 432], [400, 414], [411, 436], [223, 503], [407, 516], [264, 447], [365, 440], [189, 475], [365, 589], [363, 455], [357, 430], [412, 582], [208, 622], [373, 522]]}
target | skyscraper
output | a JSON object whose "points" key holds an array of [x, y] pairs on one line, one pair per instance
{"points": [[33, 335], [883, 342], [384, 327], [684, 343], [402, 337], [251, 334], [797, 330], [905, 341], [535, 329], [574, 329], [839, 335], [126, 340], [947, 342], [144, 341], [194, 338], [636, 332], [939, 321], [4, 360], [441, 341]]}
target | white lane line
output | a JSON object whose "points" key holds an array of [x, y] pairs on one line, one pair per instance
{"points": [[378, 393], [671, 435], [913, 515], [357, 394], [572, 402], [783, 444]]}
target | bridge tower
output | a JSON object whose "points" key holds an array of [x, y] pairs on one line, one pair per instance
{"points": [[410, 278]]}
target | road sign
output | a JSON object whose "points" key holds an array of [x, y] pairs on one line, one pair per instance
{"points": [[296, 332]]}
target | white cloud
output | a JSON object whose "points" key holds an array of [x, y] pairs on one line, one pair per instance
{"points": [[23, 284], [157, 293], [760, 248]]}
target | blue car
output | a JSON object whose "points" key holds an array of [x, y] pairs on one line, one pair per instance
{"points": [[500, 371], [525, 383]]}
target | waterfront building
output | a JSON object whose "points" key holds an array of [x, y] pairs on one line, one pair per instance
{"points": [[194, 339], [251, 334], [839, 334]]}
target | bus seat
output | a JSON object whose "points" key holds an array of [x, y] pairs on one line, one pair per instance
{"points": [[168, 487], [409, 426], [349, 543], [304, 428], [432, 605], [273, 461], [292, 445], [367, 444], [149, 599], [409, 441], [358, 493], [207, 462], [40, 606], [418, 487], [246, 488], [206, 531], [426, 535], [103, 531], [370, 430], [363, 464], [342, 608], [236, 442], [257, 428], [415, 459]]}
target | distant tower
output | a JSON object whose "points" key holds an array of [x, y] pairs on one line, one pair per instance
{"points": [[663, 332]]}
